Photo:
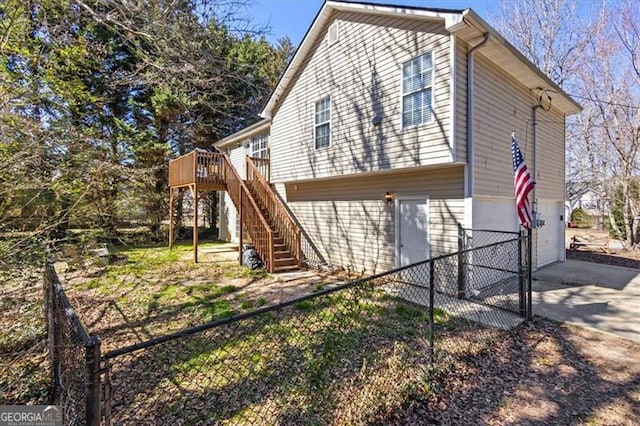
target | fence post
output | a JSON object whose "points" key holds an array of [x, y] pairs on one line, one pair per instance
{"points": [[52, 333], [431, 307], [521, 272], [461, 272], [92, 380]]}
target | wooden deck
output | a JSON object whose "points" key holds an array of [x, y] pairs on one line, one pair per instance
{"points": [[197, 168]]}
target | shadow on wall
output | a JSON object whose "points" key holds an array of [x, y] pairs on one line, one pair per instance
{"points": [[366, 111], [352, 234], [364, 81]]}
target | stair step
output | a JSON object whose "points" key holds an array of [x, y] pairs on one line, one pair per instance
{"points": [[282, 254], [285, 268], [284, 261]]}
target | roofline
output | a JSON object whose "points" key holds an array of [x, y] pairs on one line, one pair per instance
{"points": [[399, 6], [243, 134], [323, 16], [470, 13], [454, 21]]}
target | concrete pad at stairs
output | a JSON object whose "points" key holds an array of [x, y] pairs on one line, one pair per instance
{"points": [[596, 296], [297, 275]]}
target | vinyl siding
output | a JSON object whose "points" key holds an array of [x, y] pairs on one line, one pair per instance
{"points": [[237, 156], [551, 155], [351, 224], [500, 106], [229, 223], [228, 219], [460, 109], [362, 74]]}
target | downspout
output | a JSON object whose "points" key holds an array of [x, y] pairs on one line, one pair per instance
{"points": [[470, 91], [534, 209]]}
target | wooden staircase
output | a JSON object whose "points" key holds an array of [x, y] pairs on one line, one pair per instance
{"points": [[286, 243], [283, 258], [273, 232]]}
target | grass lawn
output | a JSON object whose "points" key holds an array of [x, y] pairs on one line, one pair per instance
{"points": [[350, 357], [292, 365], [151, 291]]}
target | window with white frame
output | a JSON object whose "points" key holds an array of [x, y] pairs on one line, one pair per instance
{"points": [[417, 90], [259, 146], [323, 122]]}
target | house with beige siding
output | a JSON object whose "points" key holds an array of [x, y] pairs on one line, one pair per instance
{"points": [[391, 126]]}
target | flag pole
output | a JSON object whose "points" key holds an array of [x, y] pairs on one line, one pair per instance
{"points": [[529, 275], [524, 184]]}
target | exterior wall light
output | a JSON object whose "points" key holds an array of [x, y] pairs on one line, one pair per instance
{"points": [[388, 197]]}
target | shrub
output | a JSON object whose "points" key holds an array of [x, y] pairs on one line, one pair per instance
{"points": [[580, 218]]}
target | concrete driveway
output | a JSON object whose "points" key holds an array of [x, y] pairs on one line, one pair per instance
{"points": [[605, 298]]}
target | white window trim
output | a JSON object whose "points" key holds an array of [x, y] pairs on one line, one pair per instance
{"points": [[402, 94], [252, 141], [315, 126]]}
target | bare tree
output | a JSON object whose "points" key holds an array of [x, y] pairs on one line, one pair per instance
{"points": [[556, 38], [611, 83], [551, 33]]}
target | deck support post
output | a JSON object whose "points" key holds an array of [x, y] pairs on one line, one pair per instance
{"points": [[170, 218], [195, 223]]}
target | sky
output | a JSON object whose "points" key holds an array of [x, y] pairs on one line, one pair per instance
{"points": [[294, 17]]}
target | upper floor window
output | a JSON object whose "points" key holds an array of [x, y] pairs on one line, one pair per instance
{"points": [[323, 123], [259, 146], [417, 85]]}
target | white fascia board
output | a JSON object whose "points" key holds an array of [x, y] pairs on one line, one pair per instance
{"points": [[244, 134], [513, 56]]}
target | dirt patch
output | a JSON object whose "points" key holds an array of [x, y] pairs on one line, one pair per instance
{"points": [[546, 373], [615, 257], [624, 258]]}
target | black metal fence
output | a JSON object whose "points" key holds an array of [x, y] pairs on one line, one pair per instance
{"points": [[74, 357], [495, 268], [347, 354]]}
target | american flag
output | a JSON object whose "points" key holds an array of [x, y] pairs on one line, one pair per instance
{"points": [[523, 184]]}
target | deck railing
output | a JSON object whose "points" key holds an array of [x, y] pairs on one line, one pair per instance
{"points": [[196, 167], [251, 217], [262, 164], [281, 219]]}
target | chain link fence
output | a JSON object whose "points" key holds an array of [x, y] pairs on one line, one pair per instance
{"points": [[343, 355], [495, 265], [74, 356], [349, 354]]}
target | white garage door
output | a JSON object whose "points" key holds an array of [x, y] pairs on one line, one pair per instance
{"points": [[551, 235]]}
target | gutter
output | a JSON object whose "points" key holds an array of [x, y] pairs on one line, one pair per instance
{"points": [[473, 20]]}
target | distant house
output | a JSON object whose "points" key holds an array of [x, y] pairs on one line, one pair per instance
{"points": [[391, 126], [592, 201]]}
